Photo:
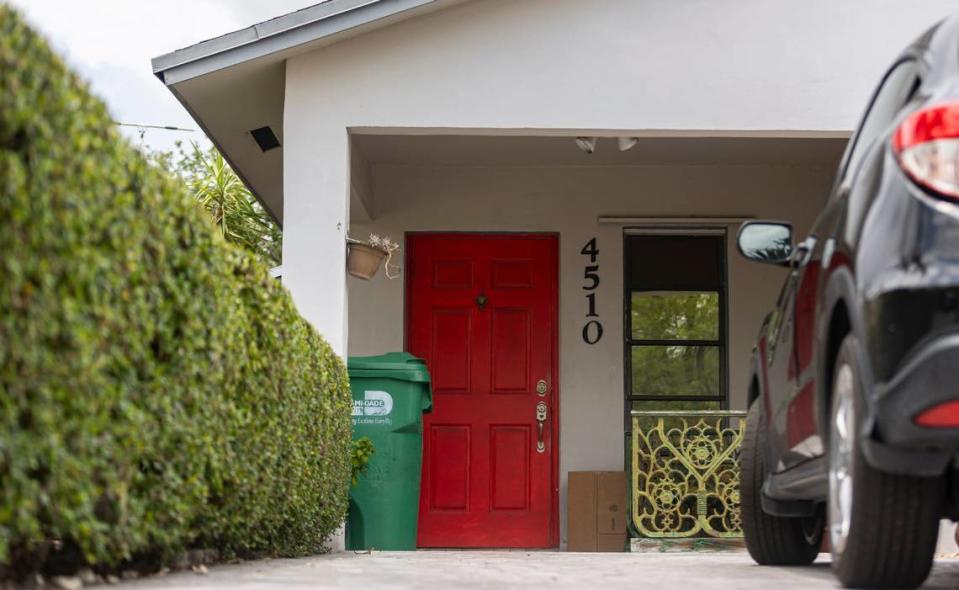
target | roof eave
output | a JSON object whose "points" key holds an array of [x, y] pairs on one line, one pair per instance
{"points": [[226, 156], [278, 35]]}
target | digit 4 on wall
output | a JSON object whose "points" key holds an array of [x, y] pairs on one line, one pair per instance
{"points": [[593, 328]]}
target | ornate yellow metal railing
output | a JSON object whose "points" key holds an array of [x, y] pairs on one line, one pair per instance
{"points": [[685, 473]]}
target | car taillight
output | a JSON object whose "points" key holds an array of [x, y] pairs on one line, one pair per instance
{"points": [[927, 145], [944, 415]]}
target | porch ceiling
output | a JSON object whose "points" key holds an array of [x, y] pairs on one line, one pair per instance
{"points": [[370, 150], [479, 150]]}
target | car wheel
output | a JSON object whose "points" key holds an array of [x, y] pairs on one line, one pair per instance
{"points": [[771, 540], [882, 527]]}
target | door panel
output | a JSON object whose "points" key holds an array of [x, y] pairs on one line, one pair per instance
{"points": [[449, 462], [510, 453], [780, 374], [803, 439], [450, 351], [510, 351], [481, 310]]}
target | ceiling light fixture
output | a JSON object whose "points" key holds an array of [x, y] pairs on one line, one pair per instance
{"points": [[627, 143], [587, 144]]}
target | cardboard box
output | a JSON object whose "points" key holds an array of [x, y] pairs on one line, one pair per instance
{"points": [[597, 509]]}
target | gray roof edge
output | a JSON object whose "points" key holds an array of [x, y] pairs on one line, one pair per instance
{"points": [[277, 34]]}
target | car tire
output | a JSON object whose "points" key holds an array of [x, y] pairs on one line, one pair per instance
{"points": [[882, 527], [770, 540]]}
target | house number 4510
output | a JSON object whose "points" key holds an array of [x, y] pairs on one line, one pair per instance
{"points": [[593, 328]]}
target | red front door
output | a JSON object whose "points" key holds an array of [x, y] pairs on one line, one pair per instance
{"points": [[482, 312]]}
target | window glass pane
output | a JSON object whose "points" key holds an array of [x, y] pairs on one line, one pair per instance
{"points": [[647, 422], [662, 263], [675, 370], [675, 316], [685, 405]]}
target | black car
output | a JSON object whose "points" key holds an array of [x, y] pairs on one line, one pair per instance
{"points": [[853, 426]]}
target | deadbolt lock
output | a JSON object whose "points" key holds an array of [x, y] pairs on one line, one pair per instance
{"points": [[541, 387]]}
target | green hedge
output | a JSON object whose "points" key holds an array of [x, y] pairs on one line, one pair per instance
{"points": [[158, 391]]}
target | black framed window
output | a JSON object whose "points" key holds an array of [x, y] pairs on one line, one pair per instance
{"points": [[675, 320]]}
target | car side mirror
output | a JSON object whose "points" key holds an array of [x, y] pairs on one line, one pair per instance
{"points": [[766, 241]]}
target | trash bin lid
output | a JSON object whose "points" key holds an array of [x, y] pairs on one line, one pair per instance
{"points": [[393, 365]]}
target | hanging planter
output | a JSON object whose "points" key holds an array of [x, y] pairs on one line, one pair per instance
{"points": [[363, 259]]}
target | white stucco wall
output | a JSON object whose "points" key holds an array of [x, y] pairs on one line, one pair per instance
{"points": [[568, 200], [613, 64], [562, 65]]}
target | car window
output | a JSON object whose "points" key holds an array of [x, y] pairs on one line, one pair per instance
{"points": [[896, 88], [865, 171]]}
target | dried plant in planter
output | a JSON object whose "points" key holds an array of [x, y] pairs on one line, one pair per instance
{"points": [[389, 246]]}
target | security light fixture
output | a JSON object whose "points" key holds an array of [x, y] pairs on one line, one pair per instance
{"points": [[587, 144], [627, 143], [265, 138]]}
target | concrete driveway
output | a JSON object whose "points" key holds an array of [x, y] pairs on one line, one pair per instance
{"points": [[518, 569]]}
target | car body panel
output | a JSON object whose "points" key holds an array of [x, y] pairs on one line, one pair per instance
{"points": [[881, 262]]}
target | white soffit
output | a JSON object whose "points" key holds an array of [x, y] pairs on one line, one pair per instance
{"points": [[235, 83]]}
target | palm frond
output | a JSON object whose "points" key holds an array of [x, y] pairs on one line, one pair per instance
{"points": [[233, 209]]}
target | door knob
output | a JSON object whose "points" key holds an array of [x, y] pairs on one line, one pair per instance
{"points": [[541, 411]]}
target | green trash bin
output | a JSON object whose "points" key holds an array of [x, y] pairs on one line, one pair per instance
{"points": [[390, 394]]}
